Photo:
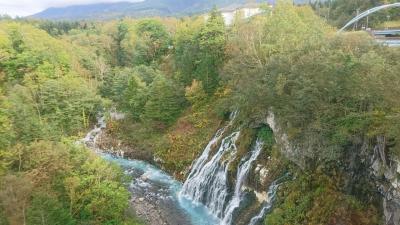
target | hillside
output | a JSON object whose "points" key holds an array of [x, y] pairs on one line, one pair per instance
{"points": [[276, 119], [148, 8], [104, 11]]}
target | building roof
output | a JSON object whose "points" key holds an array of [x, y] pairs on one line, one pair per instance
{"points": [[236, 6], [231, 8]]}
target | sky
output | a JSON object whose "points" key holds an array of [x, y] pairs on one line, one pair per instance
{"points": [[29, 7]]}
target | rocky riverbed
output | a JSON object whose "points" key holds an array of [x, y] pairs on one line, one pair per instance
{"points": [[155, 195], [153, 213]]}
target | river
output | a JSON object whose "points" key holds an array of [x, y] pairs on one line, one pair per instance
{"points": [[154, 192], [158, 188], [205, 197]]}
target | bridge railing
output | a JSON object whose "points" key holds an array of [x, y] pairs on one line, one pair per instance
{"points": [[367, 13]]}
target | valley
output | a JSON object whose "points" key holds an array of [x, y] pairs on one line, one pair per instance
{"points": [[273, 117]]}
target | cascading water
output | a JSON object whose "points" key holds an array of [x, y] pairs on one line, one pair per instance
{"points": [[273, 188], [199, 163], [242, 173], [91, 137], [208, 182], [151, 185]]}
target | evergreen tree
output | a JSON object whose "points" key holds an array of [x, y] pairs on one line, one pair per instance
{"points": [[153, 42], [120, 36], [134, 96], [165, 101], [186, 48], [212, 43]]}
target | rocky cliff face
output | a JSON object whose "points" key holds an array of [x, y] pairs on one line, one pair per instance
{"points": [[291, 151], [386, 170], [368, 168]]}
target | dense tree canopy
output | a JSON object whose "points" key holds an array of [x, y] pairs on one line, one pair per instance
{"points": [[153, 42], [200, 51], [46, 95], [165, 101], [326, 89], [176, 80]]}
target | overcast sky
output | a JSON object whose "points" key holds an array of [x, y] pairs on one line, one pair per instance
{"points": [[29, 7]]}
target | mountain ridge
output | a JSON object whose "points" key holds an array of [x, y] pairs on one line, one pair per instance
{"points": [[148, 8]]}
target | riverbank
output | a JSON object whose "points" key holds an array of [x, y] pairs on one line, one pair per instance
{"points": [[155, 195], [108, 143], [154, 213], [145, 197], [153, 209], [149, 212]]}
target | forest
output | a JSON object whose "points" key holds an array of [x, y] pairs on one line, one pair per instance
{"points": [[176, 80]]}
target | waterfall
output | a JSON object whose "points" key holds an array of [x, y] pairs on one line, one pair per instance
{"points": [[91, 137], [199, 163], [259, 218], [242, 173], [208, 182]]}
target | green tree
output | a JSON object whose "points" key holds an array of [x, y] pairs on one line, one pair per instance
{"points": [[7, 135], [68, 103], [97, 193], [165, 101], [195, 94], [146, 73], [25, 114], [28, 50], [45, 209], [153, 42], [127, 88], [134, 96], [119, 37], [6, 131], [212, 41], [200, 51], [187, 49]]}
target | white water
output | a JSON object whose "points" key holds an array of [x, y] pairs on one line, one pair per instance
{"points": [[205, 198], [154, 185], [209, 182], [241, 177], [199, 163], [259, 218], [91, 137]]}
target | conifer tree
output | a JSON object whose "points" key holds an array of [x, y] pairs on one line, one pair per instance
{"points": [[212, 43], [165, 101]]}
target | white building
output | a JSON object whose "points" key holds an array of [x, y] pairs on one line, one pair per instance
{"points": [[245, 12]]}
